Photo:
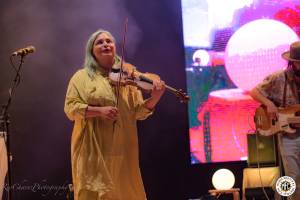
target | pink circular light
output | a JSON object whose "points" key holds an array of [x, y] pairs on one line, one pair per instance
{"points": [[254, 51]]}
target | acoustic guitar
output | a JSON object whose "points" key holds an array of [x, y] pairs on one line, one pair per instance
{"points": [[286, 121]]}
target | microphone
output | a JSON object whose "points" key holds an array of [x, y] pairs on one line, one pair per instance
{"points": [[24, 51]]}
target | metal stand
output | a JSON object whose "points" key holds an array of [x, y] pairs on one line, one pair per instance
{"points": [[4, 120]]}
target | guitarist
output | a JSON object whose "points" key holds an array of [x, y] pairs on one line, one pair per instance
{"points": [[283, 89]]}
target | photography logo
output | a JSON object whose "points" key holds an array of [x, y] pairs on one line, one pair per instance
{"points": [[285, 186]]}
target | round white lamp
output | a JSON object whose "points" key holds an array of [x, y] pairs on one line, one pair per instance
{"points": [[223, 179], [201, 57]]}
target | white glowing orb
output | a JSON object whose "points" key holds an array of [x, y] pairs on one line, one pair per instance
{"points": [[223, 179], [254, 51], [201, 56]]}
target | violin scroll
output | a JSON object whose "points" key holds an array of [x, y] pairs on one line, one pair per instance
{"points": [[184, 98]]}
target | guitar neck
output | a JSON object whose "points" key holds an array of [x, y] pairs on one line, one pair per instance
{"points": [[294, 120]]}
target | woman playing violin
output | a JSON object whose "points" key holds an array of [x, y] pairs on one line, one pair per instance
{"points": [[104, 145]]}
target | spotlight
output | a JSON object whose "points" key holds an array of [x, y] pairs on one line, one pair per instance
{"points": [[201, 58]]}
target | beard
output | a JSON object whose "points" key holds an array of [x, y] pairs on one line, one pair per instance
{"points": [[296, 71]]}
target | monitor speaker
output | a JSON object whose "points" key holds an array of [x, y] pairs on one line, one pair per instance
{"points": [[259, 194], [261, 150]]}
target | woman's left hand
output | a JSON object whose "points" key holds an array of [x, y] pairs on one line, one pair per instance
{"points": [[158, 85], [158, 89]]}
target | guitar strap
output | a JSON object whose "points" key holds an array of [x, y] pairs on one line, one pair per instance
{"points": [[284, 91]]}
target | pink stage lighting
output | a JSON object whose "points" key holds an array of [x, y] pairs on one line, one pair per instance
{"points": [[254, 51]]}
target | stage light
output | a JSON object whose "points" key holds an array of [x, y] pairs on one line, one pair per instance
{"points": [[223, 179], [201, 57]]}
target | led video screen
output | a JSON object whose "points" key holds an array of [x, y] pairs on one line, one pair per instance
{"points": [[230, 46]]}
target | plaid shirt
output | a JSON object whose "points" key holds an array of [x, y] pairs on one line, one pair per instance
{"points": [[272, 87]]}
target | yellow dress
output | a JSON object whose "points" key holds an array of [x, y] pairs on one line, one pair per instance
{"points": [[104, 155]]}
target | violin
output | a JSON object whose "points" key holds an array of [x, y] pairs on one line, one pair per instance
{"points": [[143, 81]]}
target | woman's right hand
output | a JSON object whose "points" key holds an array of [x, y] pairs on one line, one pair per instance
{"points": [[108, 112], [105, 112]]}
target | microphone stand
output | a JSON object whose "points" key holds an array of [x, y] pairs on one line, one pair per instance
{"points": [[5, 121]]}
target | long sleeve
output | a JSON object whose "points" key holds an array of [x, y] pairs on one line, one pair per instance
{"points": [[141, 112], [266, 85], [75, 107]]}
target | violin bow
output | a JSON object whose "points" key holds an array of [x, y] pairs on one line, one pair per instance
{"points": [[122, 61]]}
